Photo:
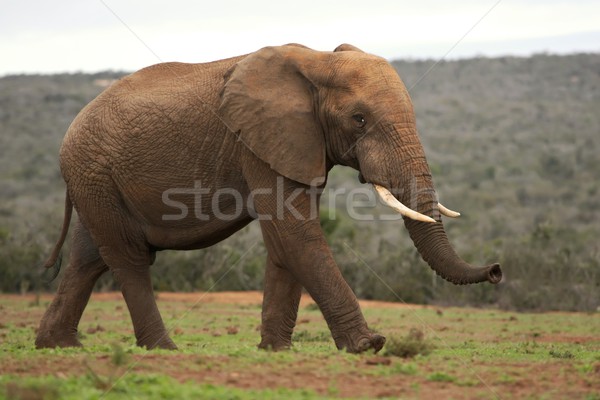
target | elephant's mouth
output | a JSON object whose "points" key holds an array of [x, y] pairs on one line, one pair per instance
{"points": [[391, 201]]}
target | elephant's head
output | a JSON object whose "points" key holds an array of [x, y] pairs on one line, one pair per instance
{"points": [[303, 111]]}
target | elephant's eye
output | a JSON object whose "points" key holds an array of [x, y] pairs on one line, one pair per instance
{"points": [[359, 119]]}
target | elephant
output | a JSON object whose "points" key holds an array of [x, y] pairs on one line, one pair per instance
{"points": [[263, 126]]}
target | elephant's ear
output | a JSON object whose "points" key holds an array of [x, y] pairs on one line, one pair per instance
{"points": [[347, 47], [269, 102]]}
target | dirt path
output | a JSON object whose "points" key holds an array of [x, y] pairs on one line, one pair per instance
{"points": [[241, 298]]}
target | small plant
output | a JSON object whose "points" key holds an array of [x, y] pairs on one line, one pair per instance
{"points": [[409, 346], [118, 357], [528, 347], [561, 354], [440, 377]]}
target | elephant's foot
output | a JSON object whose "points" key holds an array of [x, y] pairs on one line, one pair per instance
{"points": [[158, 342], [360, 343], [274, 343], [50, 340]]}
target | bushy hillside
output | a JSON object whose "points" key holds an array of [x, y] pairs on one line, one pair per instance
{"points": [[513, 144]]}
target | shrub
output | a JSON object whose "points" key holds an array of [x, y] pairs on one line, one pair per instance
{"points": [[413, 344]]}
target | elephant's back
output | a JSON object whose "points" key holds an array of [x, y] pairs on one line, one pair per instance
{"points": [[155, 113], [152, 131]]}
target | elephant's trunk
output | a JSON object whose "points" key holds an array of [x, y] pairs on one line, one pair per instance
{"points": [[427, 232], [430, 237], [432, 243], [410, 182]]}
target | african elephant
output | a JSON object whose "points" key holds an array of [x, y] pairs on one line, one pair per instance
{"points": [[264, 125]]}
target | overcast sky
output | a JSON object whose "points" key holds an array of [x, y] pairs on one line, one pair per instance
{"points": [[92, 35]]}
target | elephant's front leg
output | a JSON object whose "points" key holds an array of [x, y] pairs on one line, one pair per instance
{"points": [[295, 241], [148, 325], [280, 307], [304, 251]]}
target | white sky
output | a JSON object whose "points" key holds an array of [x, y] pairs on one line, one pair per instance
{"points": [[92, 35]]}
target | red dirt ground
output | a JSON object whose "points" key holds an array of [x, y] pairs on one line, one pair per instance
{"points": [[553, 379]]}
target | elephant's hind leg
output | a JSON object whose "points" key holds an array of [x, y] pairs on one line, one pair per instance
{"points": [[123, 247], [280, 307], [58, 327]]}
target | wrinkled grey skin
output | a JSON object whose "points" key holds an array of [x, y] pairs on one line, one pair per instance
{"points": [[286, 114]]}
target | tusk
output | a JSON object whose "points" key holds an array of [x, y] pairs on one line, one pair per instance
{"points": [[448, 212], [392, 202]]}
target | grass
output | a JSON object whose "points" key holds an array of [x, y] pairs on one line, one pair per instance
{"points": [[440, 377], [133, 386], [464, 353]]}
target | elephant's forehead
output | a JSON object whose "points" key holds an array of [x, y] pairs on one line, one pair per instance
{"points": [[368, 70]]}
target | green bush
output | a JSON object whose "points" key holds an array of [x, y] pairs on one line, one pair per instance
{"points": [[413, 344]]}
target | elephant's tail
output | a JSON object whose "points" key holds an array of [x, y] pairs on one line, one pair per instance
{"points": [[55, 258]]}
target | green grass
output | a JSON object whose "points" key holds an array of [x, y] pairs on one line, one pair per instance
{"points": [[440, 377], [471, 353], [132, 386]]}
